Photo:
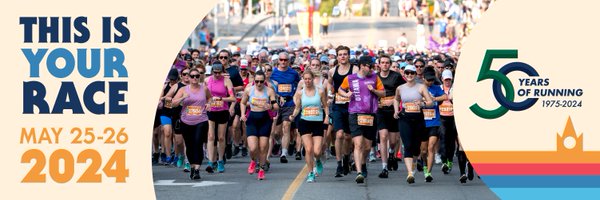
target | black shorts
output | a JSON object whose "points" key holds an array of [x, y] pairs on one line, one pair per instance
{"points": [[219, 117], [156, 119], [340, 118], [259, 124], [386, 120], [310, 127], [284, 114], [369, 132], [237, 110], [431, 131]]}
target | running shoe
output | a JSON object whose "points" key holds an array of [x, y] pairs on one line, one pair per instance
{"points": [[168, 160], [399, 155], [180, 161], [428, 177], [463, 178], [195, 174], [221, 166], [298, 156], [244, 152], [267, 166], [209, 168], [310, 178], [346, 164], [186, 167], [283, 159], [425, 170], [372, 157], [236, 150], [332, 150], [163, 159], [261, 174], [364, 170], [339, 171], [410, 178], [276, 150], [319, 167], [449, 166], [383, 174], [359, 178], [155, 157], [445, 168], [394, 164], [438, 159], [251, 167]]}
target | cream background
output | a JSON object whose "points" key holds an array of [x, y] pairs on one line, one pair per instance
{"points": [[560, 42], [157, 33]]}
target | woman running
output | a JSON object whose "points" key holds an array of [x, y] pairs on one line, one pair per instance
{"points": [[258, 121], [411, 123], [432, 121], [194, 99], [313, 102], [222, 90], [175, 116]]}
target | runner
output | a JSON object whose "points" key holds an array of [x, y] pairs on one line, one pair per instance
{"points": [[175, 116], [193, 99], [341, 126], [411, 123], [222, 90], [285, 81], [432, 121], [363, 89], [447, 118], [386, 124], [258, 121], [312, 101], [165, 118]]}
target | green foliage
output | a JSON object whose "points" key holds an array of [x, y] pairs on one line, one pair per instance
{"points": [[327, 6]]}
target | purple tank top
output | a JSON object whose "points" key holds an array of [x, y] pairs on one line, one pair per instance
{"points": [[217, 89], [193, 107], [362, 100]]}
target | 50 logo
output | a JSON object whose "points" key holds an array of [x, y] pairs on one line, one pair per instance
{"points": [[501, 81]]}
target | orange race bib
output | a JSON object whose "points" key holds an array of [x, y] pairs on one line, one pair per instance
{"points": [[216, 104], [339, 99], [365, 120], [429, 114], [259, 102], [310, 111], [386, 101], [411, 107], [446, 109], [194, 110], [284, 87]]}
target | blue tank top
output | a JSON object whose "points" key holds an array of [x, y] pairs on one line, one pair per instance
{"points": [[312, 110]]}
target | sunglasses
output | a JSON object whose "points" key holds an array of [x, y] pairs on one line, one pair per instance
{"points": [[259, 81], [410, 73], [184, 74], [305, 52], [195, 76], [282, 59], [269, 70], [419, 66], [223, 57]]}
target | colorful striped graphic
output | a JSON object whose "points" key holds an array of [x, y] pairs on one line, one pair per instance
{"points": [[553, 173]]}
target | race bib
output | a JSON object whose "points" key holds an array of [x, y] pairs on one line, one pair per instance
{"points": [[429, 114], [284, 87], [258, 102], [339, 99], [446, 109], [365, 120], [411, 107], [386, 101], [216, 104], [194, 110], [310, 111]]}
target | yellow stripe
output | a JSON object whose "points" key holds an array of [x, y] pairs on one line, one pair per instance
{"points": [[291, 191]]}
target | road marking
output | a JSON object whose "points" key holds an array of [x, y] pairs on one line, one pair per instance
{"points": [[197, 184], [291, 191]]}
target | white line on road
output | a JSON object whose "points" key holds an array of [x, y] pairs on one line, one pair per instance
{"points": [[198, 184]]}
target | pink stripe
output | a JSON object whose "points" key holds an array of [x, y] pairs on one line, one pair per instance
{"points": [[537, 169]]}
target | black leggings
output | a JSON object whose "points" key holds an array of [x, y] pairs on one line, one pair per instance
{"points": [[450, 135], [194, 136], [412, 129]]}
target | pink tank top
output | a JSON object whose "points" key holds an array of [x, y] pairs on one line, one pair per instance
{"points": [[217, 89], [193, 107]]}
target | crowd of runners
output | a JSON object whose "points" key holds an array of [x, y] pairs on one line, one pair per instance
{"points": [[354, 105]]}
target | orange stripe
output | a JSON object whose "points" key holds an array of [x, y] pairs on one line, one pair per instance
{"points": [[499, 157]]}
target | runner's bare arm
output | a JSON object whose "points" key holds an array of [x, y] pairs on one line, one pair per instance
{"points": [[272, 99]]}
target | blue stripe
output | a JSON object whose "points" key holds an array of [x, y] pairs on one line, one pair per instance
{"points": [[542, 181], [547, 193]]}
